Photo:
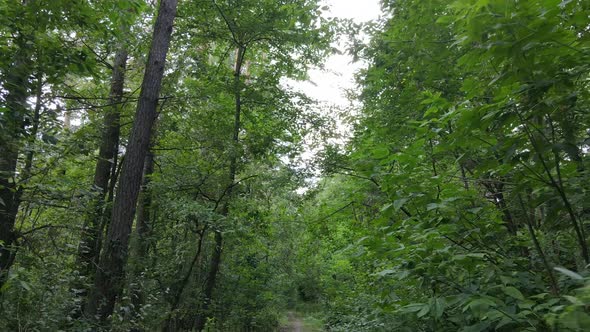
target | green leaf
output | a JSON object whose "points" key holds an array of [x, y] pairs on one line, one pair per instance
{"points": [[432, 206], [445, 19], [475, 210], [424, 311], [25, 285], [564, 3], [386, 272], [481, 326], [477, 255], [569, 273], [505, 321], [386, 207], [573, 300], [399, 203], [380, 152], [438, 307], [413, 307], [513, 292]]}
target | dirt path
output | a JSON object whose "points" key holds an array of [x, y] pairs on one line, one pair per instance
{"points": [[295, 324]]}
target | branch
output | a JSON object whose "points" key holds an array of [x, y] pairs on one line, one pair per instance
{"points": [[228, 23], [23, 234], [334, 212], [100, 58]]}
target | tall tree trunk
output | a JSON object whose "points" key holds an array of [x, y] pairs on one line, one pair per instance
{"points": [[142, 232], [178, 288], [13, 129], [216, 256], [109, 147], [32, 136], [210, 283], [109, 279]]}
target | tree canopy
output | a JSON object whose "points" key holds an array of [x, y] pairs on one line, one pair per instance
{"points": [[153, 169]]}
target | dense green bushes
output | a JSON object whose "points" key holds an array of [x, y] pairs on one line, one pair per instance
{"points": [[467, 175]]}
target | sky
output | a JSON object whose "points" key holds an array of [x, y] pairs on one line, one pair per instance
{"points": [[328, 85]]}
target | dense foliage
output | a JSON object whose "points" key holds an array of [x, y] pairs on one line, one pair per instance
{"points": [[459, 203], [467, 175]]}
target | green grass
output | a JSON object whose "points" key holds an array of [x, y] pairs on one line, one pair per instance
{"points": [[313, 323]]}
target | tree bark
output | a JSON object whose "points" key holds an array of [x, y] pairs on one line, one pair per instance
{"points": [[109, 279], [216, 256], [109, 147], [13, 129], [32, 136], [171, 322], [142, 232]]}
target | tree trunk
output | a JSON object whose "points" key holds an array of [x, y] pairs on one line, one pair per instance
{"points": [[142, 231], [32, 136], [216, 256], [109, 146], [13, 129], [204, 313], [171, 322], [109, 279]]}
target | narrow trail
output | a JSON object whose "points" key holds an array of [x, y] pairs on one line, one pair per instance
{"points": [[295, 324]]}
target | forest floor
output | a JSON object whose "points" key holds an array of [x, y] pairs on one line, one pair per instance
{"points": [[295, 323]]}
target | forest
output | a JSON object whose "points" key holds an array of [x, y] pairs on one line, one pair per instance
{"points": [[155, 169]]}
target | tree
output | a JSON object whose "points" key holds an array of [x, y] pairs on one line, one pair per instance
{"points": [[267, 25], [456, 158], [90, 243], [110, 276], [31, 61], [459, 203]]}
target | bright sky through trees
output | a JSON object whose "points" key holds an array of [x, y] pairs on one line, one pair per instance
{"points": [[328, 85]]}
